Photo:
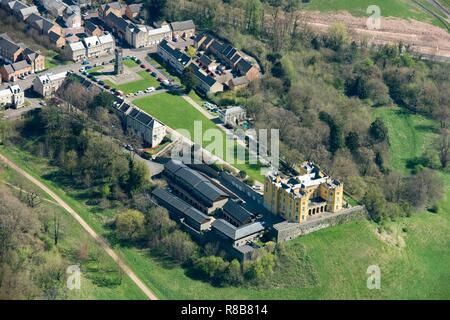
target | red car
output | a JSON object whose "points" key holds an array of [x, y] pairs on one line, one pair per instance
{"points": [[107, 87], [149, 70], [160, 79], [119, 93], [143, 66]]}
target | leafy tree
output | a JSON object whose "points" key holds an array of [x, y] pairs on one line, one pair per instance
{"points": [[188, 80], [378, 131], [442, 145], [233, 274], [130, 225], [179, 246], [211, 267], [352, 141], [138, 176], [155, 9], [336, 140]]}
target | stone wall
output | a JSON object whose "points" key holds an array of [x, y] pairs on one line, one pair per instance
{"points": [[286, 231]]}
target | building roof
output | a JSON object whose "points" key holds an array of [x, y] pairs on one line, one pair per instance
{"points": [[119, 22], [20, 65], [50, 77], [106, 38], [232, 110], [30, 54], [28, 11], [182, 25], [238, 212], [76, 46], [135, 7], [181, 206], [201, 186], [207, 79], [91, 41], [239, 81], [90, 26], [175, 53], [114, 5], [234, 233], [16, 6], [7, 43], [54, 37], [205, 60], [244, 66]]}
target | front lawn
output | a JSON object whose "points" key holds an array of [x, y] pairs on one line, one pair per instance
{"points": [[176, 113], [135, 86]]}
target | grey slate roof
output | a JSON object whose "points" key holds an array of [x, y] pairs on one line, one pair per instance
{"points": [[90, 26], [210, 81], [119, 22], [182, 25], [6, 42], [177, 54], [201, 186], [244, 65], [234, 233], [173, 202], [238, 212]]}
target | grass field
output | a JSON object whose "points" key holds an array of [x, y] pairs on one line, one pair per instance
{"points": [[73, 236], [339, 255], [389, 8], [175, 112], [130, 63], [135, 86]]}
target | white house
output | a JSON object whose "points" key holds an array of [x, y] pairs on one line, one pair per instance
{"points": [[47, 84], [12, 97]]}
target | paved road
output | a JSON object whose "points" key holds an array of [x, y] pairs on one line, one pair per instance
{"points": [[103, 243]]}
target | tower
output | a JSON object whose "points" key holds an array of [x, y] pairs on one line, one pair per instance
{"points": [[118, 68]]}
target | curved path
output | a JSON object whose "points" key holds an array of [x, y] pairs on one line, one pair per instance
{"points": [[103, 243]]}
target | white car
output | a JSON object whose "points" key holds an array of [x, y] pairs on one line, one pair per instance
{"points": [[140, 92], [82, 69], [151, 89]]}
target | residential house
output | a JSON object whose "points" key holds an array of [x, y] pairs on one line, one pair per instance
{"points": [[43, 25], [35, 59], [11, 72], [13, 97], [238, 83], [117, 24], [75, 51], [92, 29], [46, 85], [141, 36], [194, 188], [174, 57], [115, 8], [183, 29], [187, 214], [248, 70], [22, 11], [134, 11], [233, 116], [55, 7], [9, 50], [56, 39], [99, 46], [72, 17], [205, 81], [152, 131]]}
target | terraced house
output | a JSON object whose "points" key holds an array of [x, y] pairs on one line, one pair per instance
{"points": [[47, 84], [301, 198]]}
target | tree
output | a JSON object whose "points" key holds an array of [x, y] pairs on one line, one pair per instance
{"points": [[179, 246], [352, 141], [130, 225], [138, 176], [155, 9], [158, 224], [233, 274], [188, 80], [375, 204], [378, 131], [211, 267], [71, 162], [336, 140], [442, 145], [337, 36], [191, 52]]}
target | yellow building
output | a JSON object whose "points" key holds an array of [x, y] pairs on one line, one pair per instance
{"points": [[308, 195]]}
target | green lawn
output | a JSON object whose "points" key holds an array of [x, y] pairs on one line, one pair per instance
{"points": [[176, 113], [135, 86], [130, 63], [73, 236], [339, 255], [389, 8], [95, 69]]}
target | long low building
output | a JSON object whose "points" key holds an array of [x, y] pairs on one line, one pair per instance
{"points": [[46, 85], [173, 56], [187, 214], [12, 97], [238, 236], [194, 188]]}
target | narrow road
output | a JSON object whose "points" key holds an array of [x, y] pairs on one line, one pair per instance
{"points": [[103, 243]]}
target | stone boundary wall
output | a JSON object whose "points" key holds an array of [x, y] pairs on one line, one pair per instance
{"points": [[286, 231]]}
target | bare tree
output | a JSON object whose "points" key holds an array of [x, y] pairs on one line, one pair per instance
{"points": [[442, 144]]}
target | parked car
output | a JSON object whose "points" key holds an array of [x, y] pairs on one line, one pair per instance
{"points": [[112, 60], [149, 70], [90, 76], [102, 83], [138, 61], [82, 69], [118, 93], [160, 79], [151, 89], [143, 66], [140, 92], [154, 74], [85, 62], [88, 67], [107, 87]]}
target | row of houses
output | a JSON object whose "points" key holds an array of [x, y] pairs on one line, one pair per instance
{"points": [[207, 211], [18, 60], [70, 14], [30, 15], [139, 35], [90, 47], [141, 123], [12, 97]]}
